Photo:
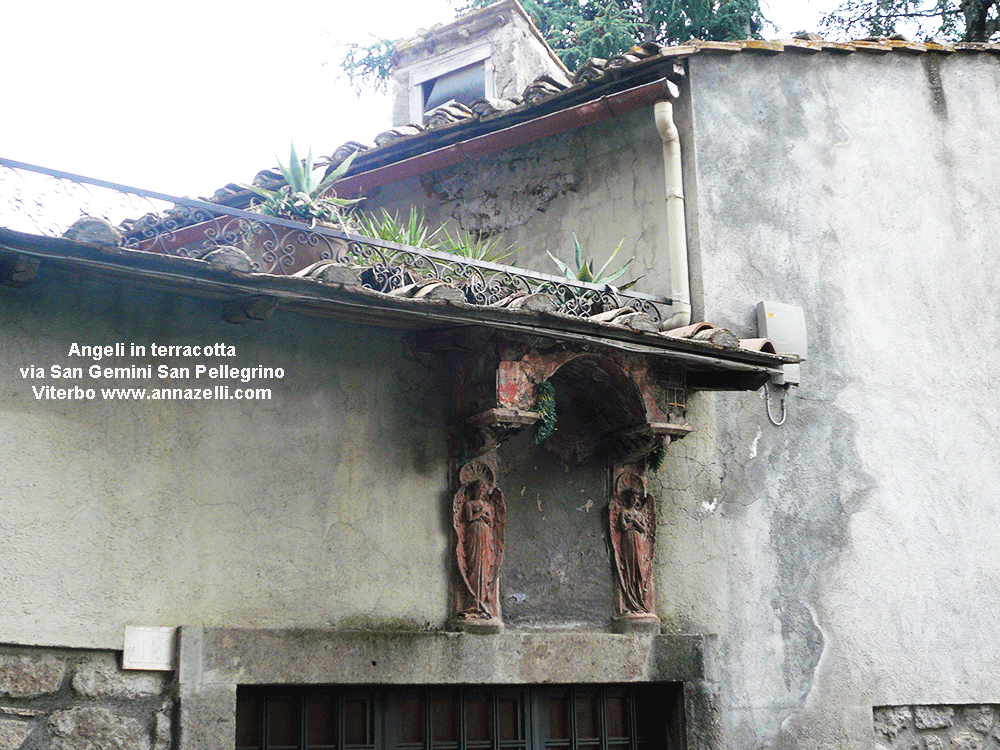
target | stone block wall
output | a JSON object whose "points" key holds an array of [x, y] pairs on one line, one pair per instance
{"points": [[964, 727], [67, 699]]}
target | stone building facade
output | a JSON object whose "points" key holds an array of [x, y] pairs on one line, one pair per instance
{"points": [[828, 583]]}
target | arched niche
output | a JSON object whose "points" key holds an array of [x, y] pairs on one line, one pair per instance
{"points": [[612, 409]]}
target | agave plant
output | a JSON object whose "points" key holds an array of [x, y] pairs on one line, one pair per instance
{"points": [[585, 269], [466, 245], [415, 233], [307, 195], [386, 226]]}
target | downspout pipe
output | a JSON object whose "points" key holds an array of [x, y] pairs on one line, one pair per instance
{"points": [[680, 287]]}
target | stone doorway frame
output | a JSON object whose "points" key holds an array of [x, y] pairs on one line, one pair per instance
{"points": [[214, 661]]}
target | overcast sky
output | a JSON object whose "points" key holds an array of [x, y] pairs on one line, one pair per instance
{"points": [[184, 97]]}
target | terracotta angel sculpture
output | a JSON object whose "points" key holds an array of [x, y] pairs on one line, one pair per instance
{"points": [[479, 517], [632, 521]]}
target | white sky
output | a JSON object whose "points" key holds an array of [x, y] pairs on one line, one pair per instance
{"points": [[183, 97]]}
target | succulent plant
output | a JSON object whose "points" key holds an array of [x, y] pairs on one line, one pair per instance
{"points": [[585, 269], [416, 233], [307, 195]]}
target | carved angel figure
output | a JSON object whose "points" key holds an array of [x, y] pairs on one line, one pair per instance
{"points": [[632, 521], [479, 517]]}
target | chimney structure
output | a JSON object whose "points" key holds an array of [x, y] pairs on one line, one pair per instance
{"points": [[492, 52]]}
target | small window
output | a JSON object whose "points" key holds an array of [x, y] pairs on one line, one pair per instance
{"points": [[609, 717], [464, 86], [462, 75]]}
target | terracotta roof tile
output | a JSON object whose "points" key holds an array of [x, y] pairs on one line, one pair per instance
{"points": [[759, 45], [396, 134], [758, 345], [803, 45], [717, 47], [906, 45], [541, 89], [841, 47], [646, 49], [486, 107], [620, 61], [878, 48], [686, 332], [446, 114], [591, 70]]}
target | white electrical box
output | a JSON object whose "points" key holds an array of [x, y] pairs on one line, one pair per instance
{"points": [[149, 648], [785, 325]]}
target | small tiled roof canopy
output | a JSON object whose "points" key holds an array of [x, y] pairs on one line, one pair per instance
{"points": [[713, 357]]}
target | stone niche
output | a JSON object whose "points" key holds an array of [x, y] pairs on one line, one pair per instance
{"points": [[563, 508]]}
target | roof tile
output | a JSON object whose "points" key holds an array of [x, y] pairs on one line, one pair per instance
{"points": [[810, 46], [717, 47], [878, 48], [839, 47], [485, 107], [905, 45], [759, 45], [945, 48]]}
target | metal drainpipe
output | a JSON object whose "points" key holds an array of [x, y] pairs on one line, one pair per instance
{"points": [[680, 288]]}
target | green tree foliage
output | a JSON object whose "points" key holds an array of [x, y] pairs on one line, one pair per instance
{"points": [[957, 20], [579, 29], [367, 67]]}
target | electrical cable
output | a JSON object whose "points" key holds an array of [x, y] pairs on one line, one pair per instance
{"points": [[767, 403]]}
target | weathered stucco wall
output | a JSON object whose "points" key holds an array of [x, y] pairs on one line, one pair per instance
{"points": [[320, 507], [845, 559], [858, 556]]}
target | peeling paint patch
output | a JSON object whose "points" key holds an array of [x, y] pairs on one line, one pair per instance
{"points": [[753, 445], [709, 507]]}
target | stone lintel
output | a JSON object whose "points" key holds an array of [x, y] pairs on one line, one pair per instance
{"points": [[230, 656]]}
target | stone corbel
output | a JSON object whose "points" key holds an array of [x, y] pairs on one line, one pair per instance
{"points": [[636, 444], [485, 431]]}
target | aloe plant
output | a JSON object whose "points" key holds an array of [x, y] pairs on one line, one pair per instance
{"points": [[585, 268], [307, 195]]}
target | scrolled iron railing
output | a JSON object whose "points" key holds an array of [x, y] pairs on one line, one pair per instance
{"points": [[48, 202]]}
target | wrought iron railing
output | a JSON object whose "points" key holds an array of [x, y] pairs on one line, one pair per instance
{"points": [[46, 201]]}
